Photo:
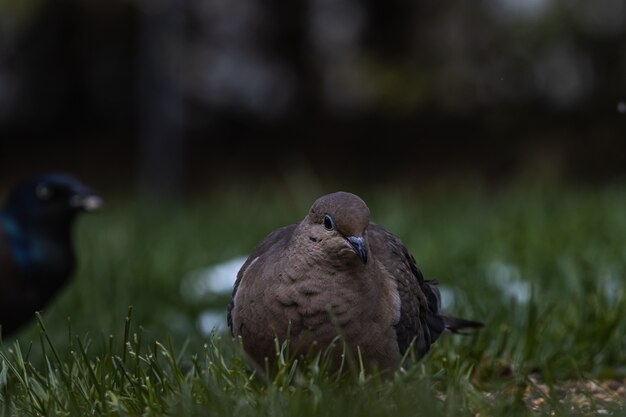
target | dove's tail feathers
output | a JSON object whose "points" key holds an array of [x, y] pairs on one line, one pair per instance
{"points": [[457, 326]]}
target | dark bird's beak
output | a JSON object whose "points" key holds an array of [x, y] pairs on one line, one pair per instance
{"points": [[358, 244], [85, 199]]}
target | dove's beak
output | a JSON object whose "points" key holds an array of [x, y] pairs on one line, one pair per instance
{"points": [[358, 244]]}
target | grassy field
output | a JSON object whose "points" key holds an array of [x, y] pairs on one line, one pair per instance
{"points": [[544, 269]]}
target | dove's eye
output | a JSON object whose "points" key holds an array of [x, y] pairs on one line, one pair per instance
{"points": [[328, 222]]}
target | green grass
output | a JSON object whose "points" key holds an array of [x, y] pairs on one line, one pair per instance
{"points": [[534, 357]]}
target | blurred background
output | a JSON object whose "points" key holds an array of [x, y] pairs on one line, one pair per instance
{"points": [[489, 135], [169, 98]]}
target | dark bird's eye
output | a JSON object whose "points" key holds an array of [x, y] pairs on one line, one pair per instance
{"points": [[43, 192], [328, 222]]}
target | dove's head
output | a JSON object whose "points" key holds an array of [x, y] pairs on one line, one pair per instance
{"points": [[337, 225]]}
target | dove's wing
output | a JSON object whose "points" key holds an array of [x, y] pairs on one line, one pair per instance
{"points": [[419, 298]]}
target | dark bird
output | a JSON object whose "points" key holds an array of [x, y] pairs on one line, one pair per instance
{"points": [[36, 254], [335, 271]]}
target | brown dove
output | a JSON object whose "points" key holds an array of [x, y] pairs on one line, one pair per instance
{"points": [[334, 273]]}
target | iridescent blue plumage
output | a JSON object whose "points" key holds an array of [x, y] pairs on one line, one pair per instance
{"points": [[36, 254]]}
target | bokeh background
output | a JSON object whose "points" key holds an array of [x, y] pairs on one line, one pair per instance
{"points": [[489, 135], [171, 98]]}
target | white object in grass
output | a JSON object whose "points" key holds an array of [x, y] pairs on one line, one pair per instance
{"points": [[219, 278]]}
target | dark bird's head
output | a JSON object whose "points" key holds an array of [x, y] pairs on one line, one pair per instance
{"points": [[338, 223], [37, 218], [50, 200]]}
